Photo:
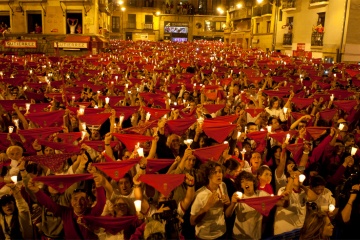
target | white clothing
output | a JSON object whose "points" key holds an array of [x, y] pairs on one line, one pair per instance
{"points": [[280, 182], [324, 200], [213, 223], [292, 217], [248, 221], [279, 113]]}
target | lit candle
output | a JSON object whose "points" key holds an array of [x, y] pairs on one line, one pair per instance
{"points": [[14, 179], [268, 128], [126, 85], [341, 126], [239, 134], [148, 115], [226, 142], [16, 122], [107, 100], [11, 129], [353, 151], [137, 204], [285, 110], [140, 152], [81, 109], [287, 137], [121, 119], [302, 178], [83, 125], [332, 97], [239, 194], [331, 207], [27, 106]]}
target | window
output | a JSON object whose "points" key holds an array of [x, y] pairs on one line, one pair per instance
{"points": [[268, 26], [149, 3], [4, 20], [202, 6], [74, 22], [131, 21], [280, 15], [148, 22], [257, 28], [34, 21], [214, 26], [115, 24], [321, 19], [131, 3]]}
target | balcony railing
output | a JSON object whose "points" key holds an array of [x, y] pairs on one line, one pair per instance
{"points": [[131, 25], [288, 4], [256, 12], [148, 26], [287, 39], [317, 39], [318, 1]]}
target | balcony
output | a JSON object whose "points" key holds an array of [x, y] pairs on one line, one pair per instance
{"points": [[148, 26], [131, 25], [266, 10], [287, 40], [318, 3], [317, 39], [256, 12], [288, 5]]}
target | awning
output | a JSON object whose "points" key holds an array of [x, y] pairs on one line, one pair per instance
{"points": [[77, 39]]}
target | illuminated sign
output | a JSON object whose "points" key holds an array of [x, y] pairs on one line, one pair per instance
{"points": [[70, 45], [20, 44]]}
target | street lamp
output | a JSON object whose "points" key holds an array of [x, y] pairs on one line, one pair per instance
{"points": [[122, 22]]}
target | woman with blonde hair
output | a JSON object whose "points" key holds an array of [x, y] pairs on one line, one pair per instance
{"points": [[317, 226]]}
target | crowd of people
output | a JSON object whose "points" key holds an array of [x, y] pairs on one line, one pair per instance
{"points": [[156, 140]]}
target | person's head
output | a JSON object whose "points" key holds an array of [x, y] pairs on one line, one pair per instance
{"points": [[7, 203], [344, 123], [274, 123], [14, 152], [126, 154], [246, 183], [154, 230], [212, 172], [79, 201], [255, 160], [173, 142], [121, 207], [48, 151], [274, 103], [203, 141], [275, 154], [349, 140], [317, 184], [190, 162], [264, 175], [232, 167], [125, 184], [95, 134], [302, 124], [251, 127], [317, 225]]}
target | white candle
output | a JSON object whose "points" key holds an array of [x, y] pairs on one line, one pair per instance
{"points": [[121, 119], [140, 152], [239, 194], [200, 120], [14, 179], [332, 97], [239, 134], [331, 206], [16, 122], [341, 126], [285, 110], [353, 151], [11, 129], [148, 115], [27, 106], [302, 178], [137, 204], [107, 100]]}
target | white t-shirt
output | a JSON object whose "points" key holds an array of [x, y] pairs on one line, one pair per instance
{"points": [[292, 217], [325, 199], [280, 182], [248, 221], [213, 224], [279, 113]]}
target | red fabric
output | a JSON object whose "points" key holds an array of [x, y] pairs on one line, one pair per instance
{"points": [[63, 182], [212, 153], [254, 111], [327, 115], [346, 105], [297, 115], [39, 133], [94, 119], [140, 129], [117, 170], [315, 132], [281, 136], [211, 94], [156, 113], [154, 165], [8, 104], [260, 138], [47, 119], [296, 150], [187, 115], [4, 142], [179, 126], [36, 96], [112, 225], [164, 183], [213, 108], [107, 158], [39, 107], [341, 94], [325, 97], [272, 93], [69, 137], [63, 147], [99, 146], [126, 111], [262, 204], [302, 103], [113, 100], [352, 72], [218, 130], [87, 110], [226, 118], [130, 140], [53, 161]]}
